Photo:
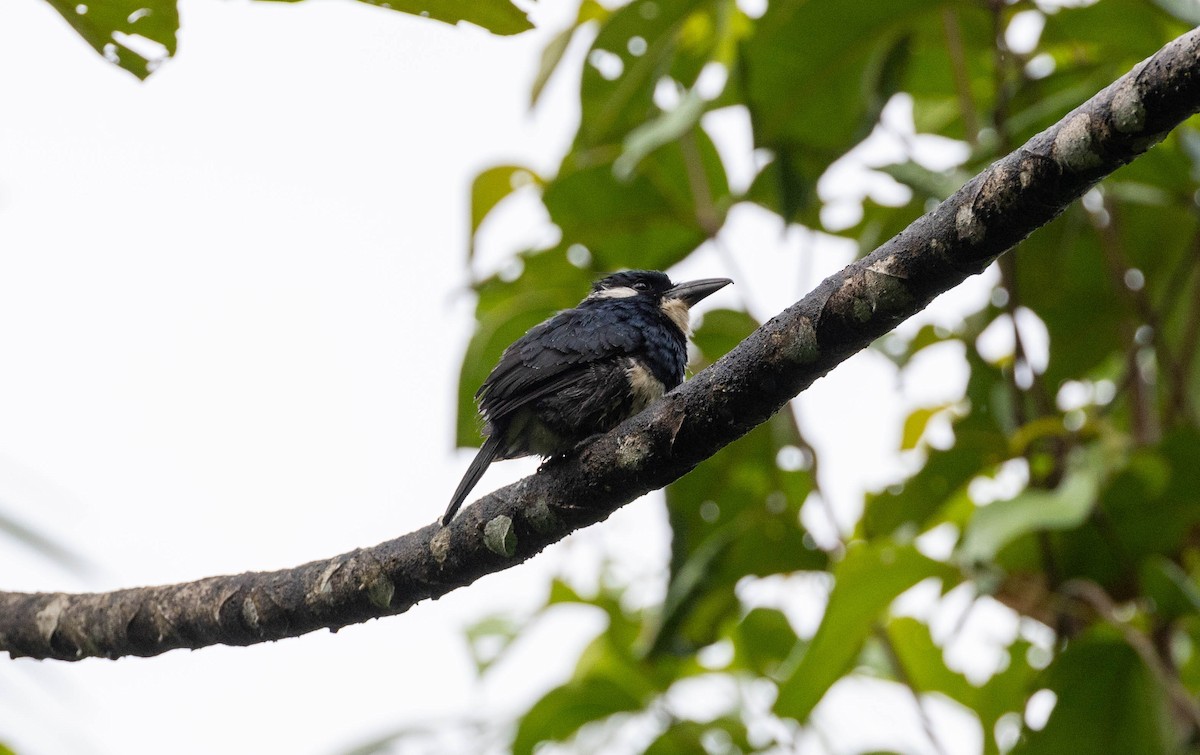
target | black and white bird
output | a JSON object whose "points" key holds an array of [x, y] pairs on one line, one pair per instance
{"points": [[585, 370]]}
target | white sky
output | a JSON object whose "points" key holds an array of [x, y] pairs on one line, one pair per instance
{"points": [[232, 309]]}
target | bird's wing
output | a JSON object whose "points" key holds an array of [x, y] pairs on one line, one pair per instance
{"points": [[554, 356]]}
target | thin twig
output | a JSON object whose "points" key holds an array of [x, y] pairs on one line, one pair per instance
{"points": [[1188, 345], [1145, 421], [1094, 596], [962, 79], [707, 216], [999, 76], [906, 679], [1117, 257]]}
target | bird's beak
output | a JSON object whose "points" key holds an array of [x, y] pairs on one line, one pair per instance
{"points": [[692, 292]]}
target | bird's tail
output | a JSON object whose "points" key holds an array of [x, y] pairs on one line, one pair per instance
{"points": [[487, 453]]}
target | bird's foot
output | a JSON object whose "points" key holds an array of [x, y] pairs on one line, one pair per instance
{"points": [[552, 461]]}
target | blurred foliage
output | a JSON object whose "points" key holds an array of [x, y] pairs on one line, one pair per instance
{"points": [[13, 531], [865, 582], [1069, 490], [45, 546], [138, 35], [134, 34], [1068, 474], [1088, 717]]}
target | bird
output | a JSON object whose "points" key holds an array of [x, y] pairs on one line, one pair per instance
{"points": [[585, 370]]}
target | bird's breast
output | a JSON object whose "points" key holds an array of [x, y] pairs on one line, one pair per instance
{"points": [[643, 386]]}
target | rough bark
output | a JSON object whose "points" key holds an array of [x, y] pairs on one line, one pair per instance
{"points": [[959, 238]]}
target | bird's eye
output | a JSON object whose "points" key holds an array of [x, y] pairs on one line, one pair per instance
{"points": [[641, 286]]}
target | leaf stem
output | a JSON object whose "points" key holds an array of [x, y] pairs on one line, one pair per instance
{"points": [[707, 216], [1094, 596], [962, 80], [905, 678]]}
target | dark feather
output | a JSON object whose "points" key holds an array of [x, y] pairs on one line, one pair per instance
{"points": [[554, 356], [479, 465]]}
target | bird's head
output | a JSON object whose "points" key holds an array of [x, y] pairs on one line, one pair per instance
{"points": [[675, 299]]}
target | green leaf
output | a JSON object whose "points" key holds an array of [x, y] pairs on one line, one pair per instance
{"points": [[1108, 701], [562, 592], [927, 336], [690, 737], [915, 424], [937, 74], [613, 105], [763, 640], [1174, 592], [652, 219], [998, 524], [1186, 649], [866, 581], [1007, 691], [938, 491], [924, 663], [589, 10], [815, 75], [1156, 238], [881, 222], [497, 16], [1152, 503], [720, 331], [1090, 45], [122, 30], [787, 185], [612, 653], [939, 482], [654, 133], [817, 72], [489, 637], [492, 186], [609, 677], [736, 515], [930, 184], [563, 710], [1109, 37], [710, 34], [1187, 11], [1147, 507], [138, 35], [1058, 267]]}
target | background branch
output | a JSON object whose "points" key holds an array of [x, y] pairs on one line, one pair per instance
{"points": [[986, 217]]}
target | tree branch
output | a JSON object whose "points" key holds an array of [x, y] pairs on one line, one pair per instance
{"points": [[847, 311]]}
